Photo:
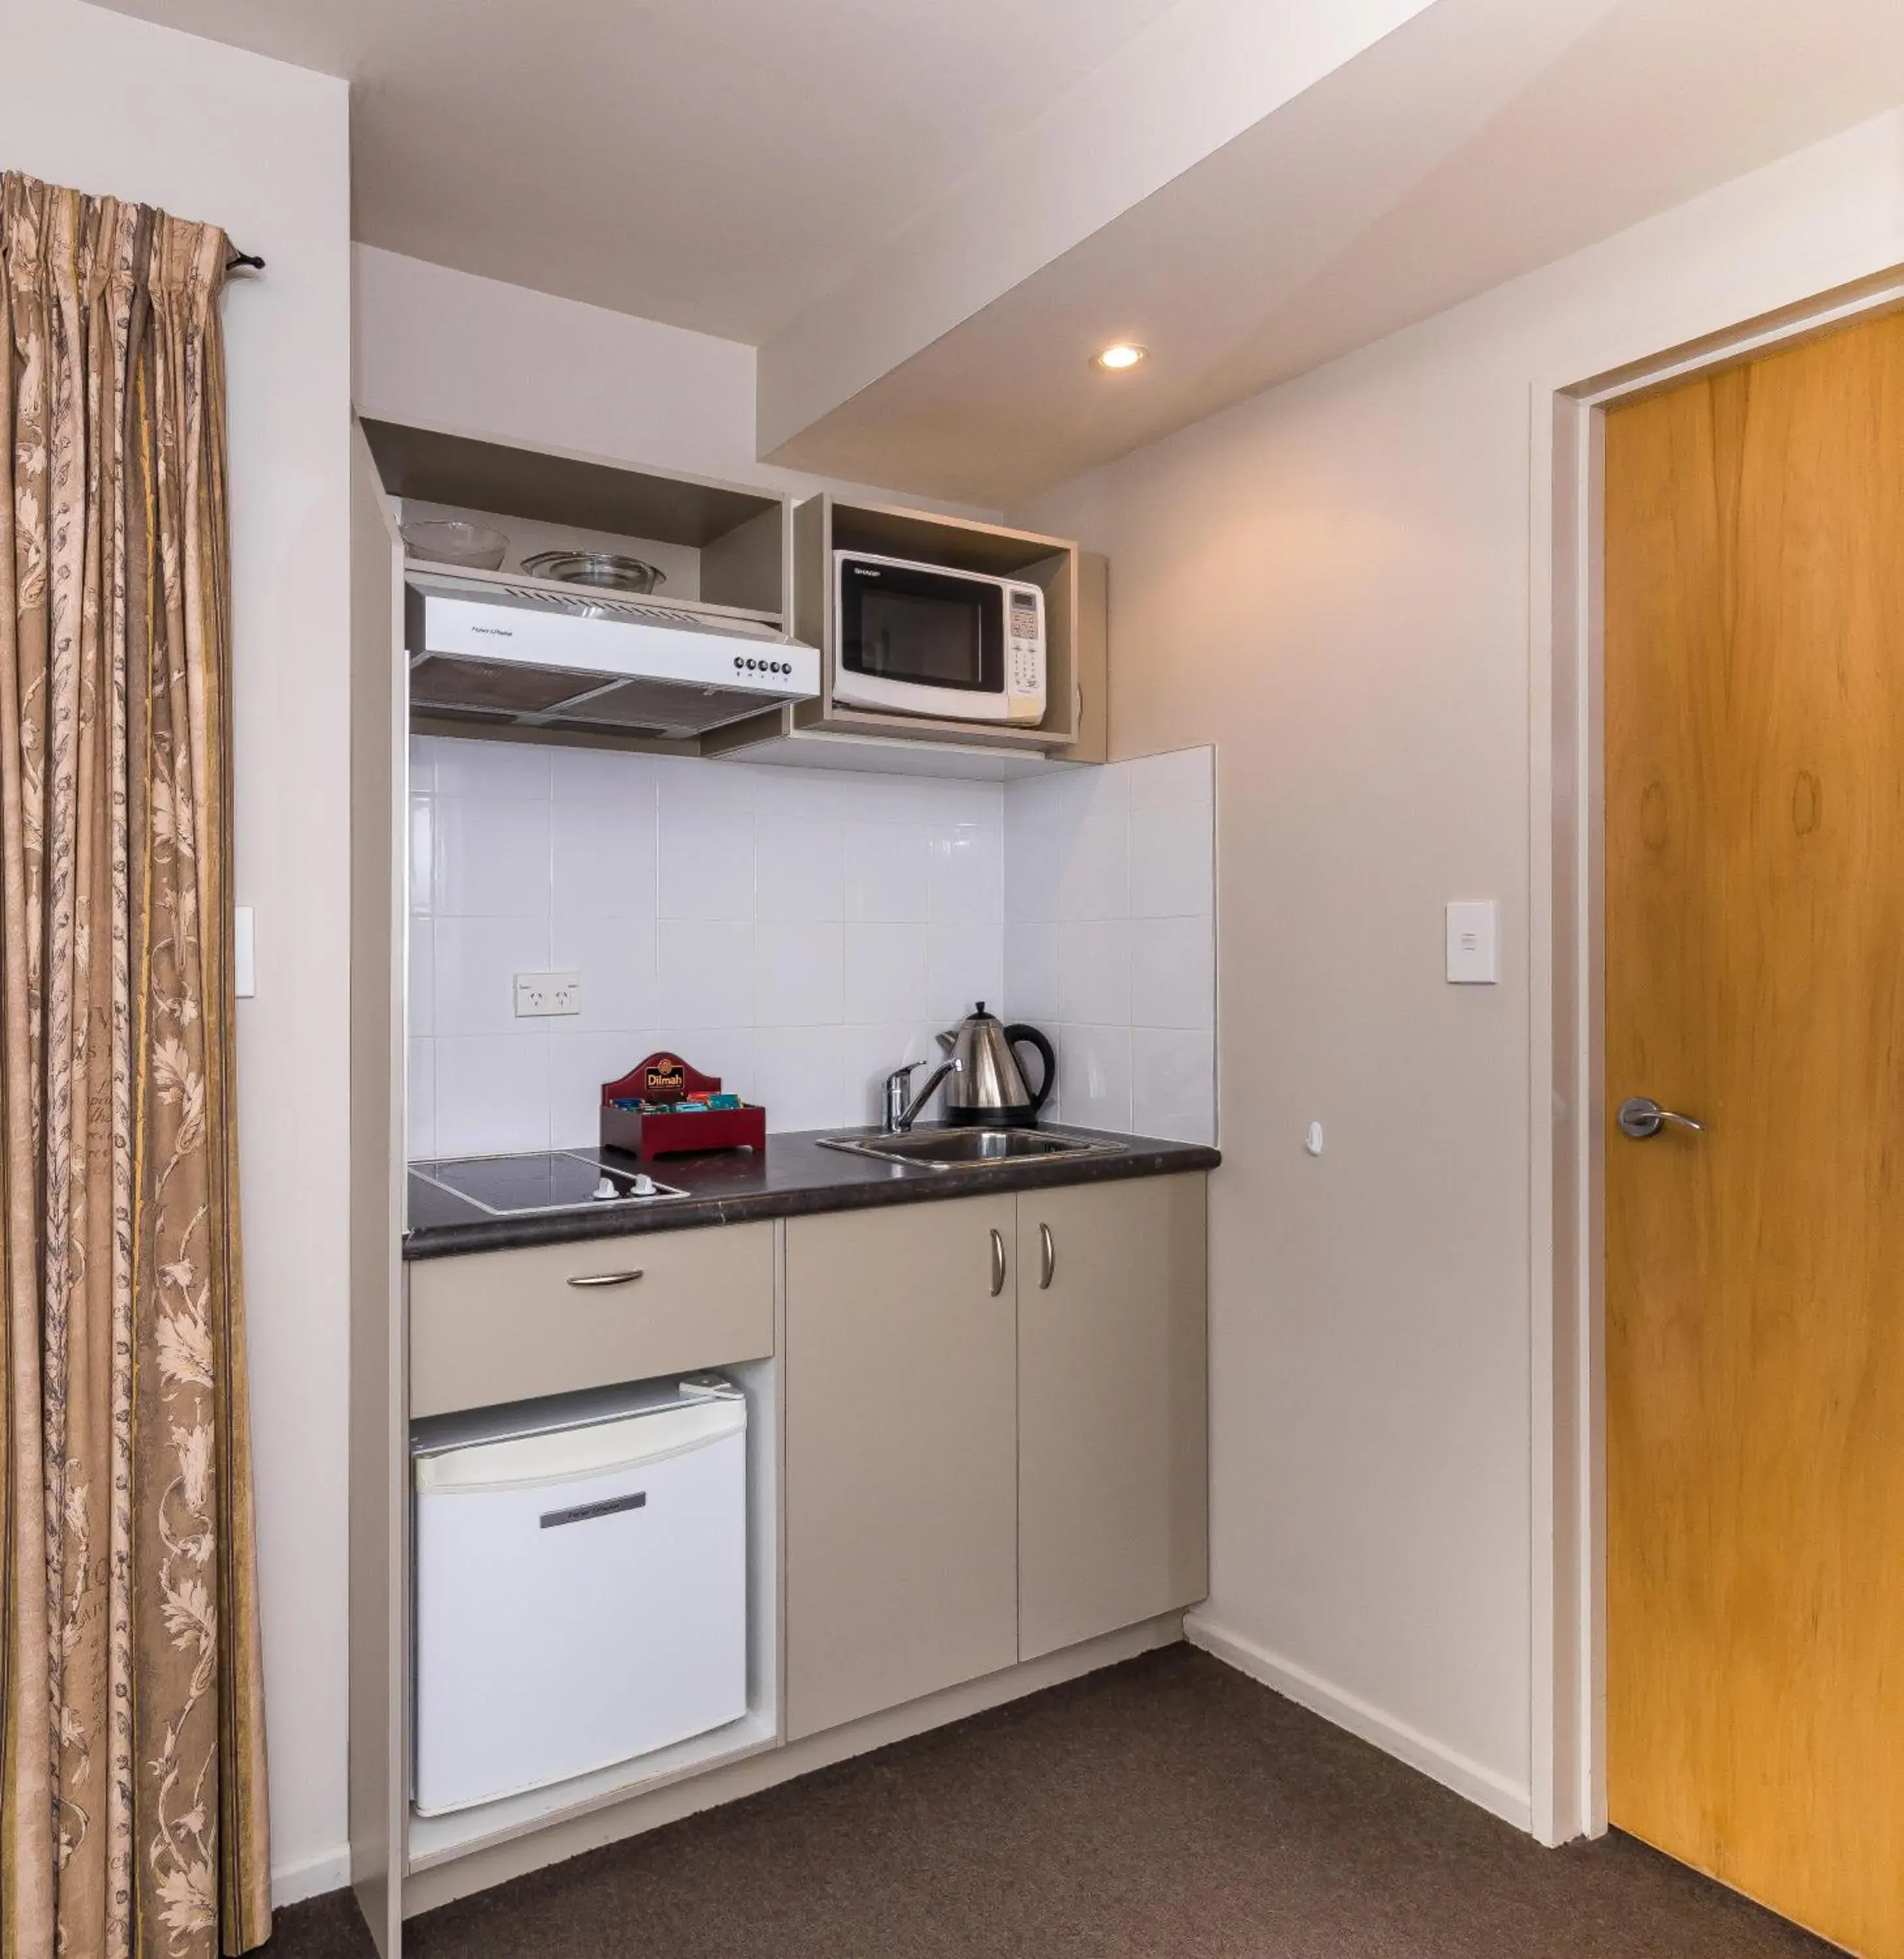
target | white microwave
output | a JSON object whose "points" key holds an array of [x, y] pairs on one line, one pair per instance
{"points": [[921, 639]]}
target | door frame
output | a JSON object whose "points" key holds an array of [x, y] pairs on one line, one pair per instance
{"points": [[1567, 1778]]}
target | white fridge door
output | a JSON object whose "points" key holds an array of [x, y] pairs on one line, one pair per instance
{"points": [[581, 1599]]}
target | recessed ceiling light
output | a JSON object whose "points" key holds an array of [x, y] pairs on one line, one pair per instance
{"points": [[1124, 354]]}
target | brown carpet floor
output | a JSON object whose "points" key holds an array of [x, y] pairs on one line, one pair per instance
{"points": [[1168, 1806]]}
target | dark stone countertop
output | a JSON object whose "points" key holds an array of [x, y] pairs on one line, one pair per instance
{"points": [[794, 1178]]}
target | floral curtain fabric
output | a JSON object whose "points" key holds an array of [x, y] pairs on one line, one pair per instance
{"points": [[132, 1817]]}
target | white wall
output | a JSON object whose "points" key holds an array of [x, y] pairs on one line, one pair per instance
{"points": [[449, 350], [108, 104], [1332, 583]]}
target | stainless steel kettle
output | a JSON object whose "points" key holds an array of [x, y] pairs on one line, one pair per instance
{"points": [[989, 1088]]}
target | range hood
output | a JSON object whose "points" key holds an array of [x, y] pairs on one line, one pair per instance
{"points": [[511, 652]]}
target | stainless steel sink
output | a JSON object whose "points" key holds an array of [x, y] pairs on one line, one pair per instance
{"points": [[968, 1149]]}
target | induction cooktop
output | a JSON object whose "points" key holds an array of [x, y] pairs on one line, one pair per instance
{"points": [[549, 1180]]}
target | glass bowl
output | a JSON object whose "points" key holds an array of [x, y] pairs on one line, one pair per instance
{"points": [[605, 571], [450, 541]]}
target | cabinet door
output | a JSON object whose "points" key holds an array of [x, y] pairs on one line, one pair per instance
{"points": [[1113, 1458], [901, 1447]]}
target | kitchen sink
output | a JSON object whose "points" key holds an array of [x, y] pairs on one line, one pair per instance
{"points": [[957, 1149]]}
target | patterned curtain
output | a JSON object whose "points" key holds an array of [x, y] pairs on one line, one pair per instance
{"points": [[132, 1736]]}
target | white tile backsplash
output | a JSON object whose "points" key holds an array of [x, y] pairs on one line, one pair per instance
{"points": [[616, 956], [798, 1074], [776, 926], [1094, 845], [1174, 1088], [706, 969], [965, 964], [475, 961], [579, 1064], [604, 860], [1171, 872], [492, 856], [421, 1111], [1110, 937], [492, 1093], [1094, 971], [1173, 979], [706, 858], [798, 974], [799, 868], [889, 872], [967, 882], [886, 974], [1181, 778], [1032, 987], [1094, 1076], [800, 933]]}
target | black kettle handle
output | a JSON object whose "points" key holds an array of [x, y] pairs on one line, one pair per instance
{"points": [[1013, 1035]]}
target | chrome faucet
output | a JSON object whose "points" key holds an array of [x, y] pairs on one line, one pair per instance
{"points": [[900, 1114]]}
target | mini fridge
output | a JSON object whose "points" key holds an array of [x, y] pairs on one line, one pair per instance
{"points": [[581, 1585]]}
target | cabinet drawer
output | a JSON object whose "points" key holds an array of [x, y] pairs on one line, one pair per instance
{"points": [[506, 1326]]}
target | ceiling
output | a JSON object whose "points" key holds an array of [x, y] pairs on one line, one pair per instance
{"points": [[716, 164], [927, 216], [1480, 140]]}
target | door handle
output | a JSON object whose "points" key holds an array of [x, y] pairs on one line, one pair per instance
{"points": [[605, 1279], [997, 1264], [1640, 1116], [1048, 1253]]}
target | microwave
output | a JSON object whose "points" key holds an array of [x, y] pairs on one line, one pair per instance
{"points": [[921, 639]]}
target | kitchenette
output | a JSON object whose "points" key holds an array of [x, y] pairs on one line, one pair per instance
{"points": [[780, 1314]]}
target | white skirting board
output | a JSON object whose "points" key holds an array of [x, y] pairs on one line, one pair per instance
{"points": [[310, 1877], [1510, 1801]]}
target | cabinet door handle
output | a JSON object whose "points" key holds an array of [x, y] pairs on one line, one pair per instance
{"points": [[997, 1264], [1048, 1253], [605, 1279]]}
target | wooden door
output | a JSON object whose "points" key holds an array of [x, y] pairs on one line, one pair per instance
{"points": [[1754, 658], [1113, 1461], [902, 1500]]}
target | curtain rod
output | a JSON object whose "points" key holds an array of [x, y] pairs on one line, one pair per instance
{"points": [[249, 259]]}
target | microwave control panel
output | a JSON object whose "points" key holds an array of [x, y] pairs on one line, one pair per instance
{"points": [[1026, 679]]}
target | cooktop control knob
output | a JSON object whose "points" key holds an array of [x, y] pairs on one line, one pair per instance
{"points": [[606, 1188], [643, 1186]]}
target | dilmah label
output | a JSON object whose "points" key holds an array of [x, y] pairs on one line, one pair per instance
{"points": [[665, 1080]]}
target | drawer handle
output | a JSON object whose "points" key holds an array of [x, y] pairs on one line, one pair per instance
{"points": [[997, 1265], [1048, 1252], [606, 1279]]}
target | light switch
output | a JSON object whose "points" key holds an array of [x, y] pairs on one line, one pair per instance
{"points": [[1473, 957], [244, 954]]}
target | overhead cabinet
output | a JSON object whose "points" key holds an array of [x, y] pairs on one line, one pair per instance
{"points": [[740, 563]]}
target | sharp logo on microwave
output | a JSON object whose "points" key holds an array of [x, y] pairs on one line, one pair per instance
{"points": [[864, 570]]}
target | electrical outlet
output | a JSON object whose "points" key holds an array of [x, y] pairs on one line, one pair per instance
{"points": [[539, 995]]}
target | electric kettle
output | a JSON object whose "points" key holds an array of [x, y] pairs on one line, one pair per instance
{"points": [[988, 1089]]}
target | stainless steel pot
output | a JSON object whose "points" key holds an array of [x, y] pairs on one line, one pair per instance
{"points": [[989, 1087]]}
